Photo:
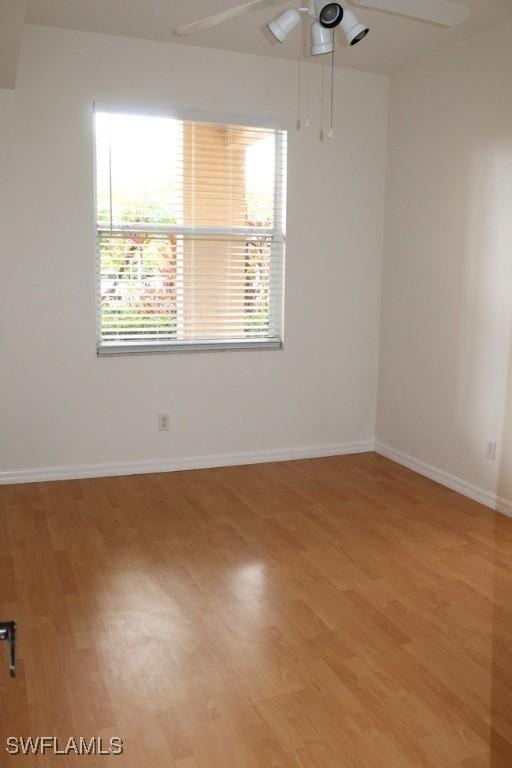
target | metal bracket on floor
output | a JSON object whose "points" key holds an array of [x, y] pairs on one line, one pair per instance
{"points": [[8, 633]]}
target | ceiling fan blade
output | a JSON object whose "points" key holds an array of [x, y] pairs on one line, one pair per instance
{"points": [[441, 12], [220, 18]]}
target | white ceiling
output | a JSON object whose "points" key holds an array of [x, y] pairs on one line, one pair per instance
{"points": [[394, 42]]}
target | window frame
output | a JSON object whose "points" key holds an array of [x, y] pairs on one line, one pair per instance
{"points": [[277, 235]]}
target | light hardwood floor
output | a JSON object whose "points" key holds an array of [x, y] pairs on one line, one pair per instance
{"points": [[333, 613]]}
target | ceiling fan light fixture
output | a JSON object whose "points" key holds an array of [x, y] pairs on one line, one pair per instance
{"points": [[353, 29], [322, 39], [284, 24], [443, 12]]}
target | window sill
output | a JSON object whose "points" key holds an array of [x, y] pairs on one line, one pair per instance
{"points": [[152, 348]]}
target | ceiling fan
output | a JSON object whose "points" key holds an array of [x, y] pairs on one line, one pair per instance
{"points": [[327, 16]]}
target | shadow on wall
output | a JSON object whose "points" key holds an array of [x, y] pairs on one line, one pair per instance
{"points": [[476, 319], [489, 369], [486, 367], [471, 364], [501, 660]]}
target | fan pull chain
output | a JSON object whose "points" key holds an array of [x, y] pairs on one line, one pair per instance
{"points": [[300, 101], [331, 129], [306, 119], [110, 186], [321, 135], [299, 95]]}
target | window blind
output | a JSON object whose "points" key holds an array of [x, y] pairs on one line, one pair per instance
{"points": [[190, 234]]}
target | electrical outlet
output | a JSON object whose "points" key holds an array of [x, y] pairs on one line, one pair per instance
{"points": [[164, 422], [490, 452]]}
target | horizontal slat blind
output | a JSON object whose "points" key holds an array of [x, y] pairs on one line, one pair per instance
{"points": [[191, 234]]}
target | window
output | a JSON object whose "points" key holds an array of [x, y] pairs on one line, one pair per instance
{"points": [[190, 234]]}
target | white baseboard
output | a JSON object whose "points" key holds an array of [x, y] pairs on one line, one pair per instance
{"points": [[487, 498], [504, 506], [80, 472]]}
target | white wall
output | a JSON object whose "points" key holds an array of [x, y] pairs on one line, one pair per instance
{"points": [[60, 405], [447, 286]]}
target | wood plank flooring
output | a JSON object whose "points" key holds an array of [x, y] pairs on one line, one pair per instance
{"points": [[333, 613]]}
